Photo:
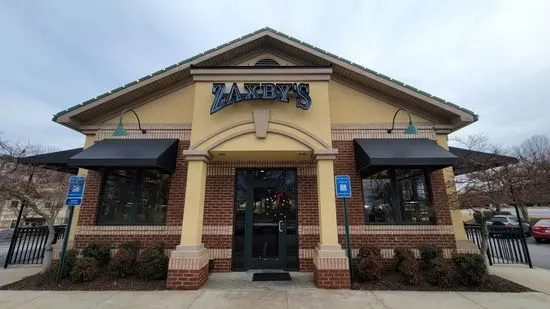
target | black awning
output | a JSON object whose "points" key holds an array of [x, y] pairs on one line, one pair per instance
{"points": [[156, 153], [374, 155], [53, 160], [471, 160]]}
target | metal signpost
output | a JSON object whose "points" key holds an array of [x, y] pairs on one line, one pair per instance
{"points": [[75, 192], [343, 190]]}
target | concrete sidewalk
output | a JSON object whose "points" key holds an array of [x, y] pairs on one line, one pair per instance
{"points": [[536, 279], [16, 273], [267, 299]]}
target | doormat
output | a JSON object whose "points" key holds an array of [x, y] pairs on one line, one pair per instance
{"points": [[271, 277]]}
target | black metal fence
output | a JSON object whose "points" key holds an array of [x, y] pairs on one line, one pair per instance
{"points": [[28, 244], [507, 245]]}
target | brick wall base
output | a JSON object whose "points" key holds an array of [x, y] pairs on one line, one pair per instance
{"points": [[220, 265], [331, 278], [186, 279], [306, 265]]}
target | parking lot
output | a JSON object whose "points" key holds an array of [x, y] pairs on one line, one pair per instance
{"points": [[540, 253]]}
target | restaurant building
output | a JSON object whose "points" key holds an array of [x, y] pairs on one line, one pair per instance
{"points": [[234, 164]]}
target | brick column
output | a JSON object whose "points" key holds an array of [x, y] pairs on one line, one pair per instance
{"points": [[331, 269], [188, 266]]}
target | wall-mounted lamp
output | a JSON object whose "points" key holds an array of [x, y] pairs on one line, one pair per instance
{"points": [[120, 131], [411, 129]]}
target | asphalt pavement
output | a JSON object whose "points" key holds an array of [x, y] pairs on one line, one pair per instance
{"points": [[540, 253], [4, 247]]}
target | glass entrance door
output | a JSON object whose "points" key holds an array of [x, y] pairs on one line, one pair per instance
{"points": [[266, 226]]}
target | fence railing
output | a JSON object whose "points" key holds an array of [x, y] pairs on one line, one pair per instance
{"points": [[28, 244], [507, 245]]}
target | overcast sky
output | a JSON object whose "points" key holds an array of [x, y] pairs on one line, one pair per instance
{"points": [[492, 57]]}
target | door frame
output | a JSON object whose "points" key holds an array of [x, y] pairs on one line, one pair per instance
{"points": [[258, 263]]}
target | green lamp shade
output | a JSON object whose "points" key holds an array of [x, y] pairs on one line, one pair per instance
{"points": [[411, 129], [120, 131]]}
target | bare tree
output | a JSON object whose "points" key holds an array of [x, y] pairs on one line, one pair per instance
{"points": [[476, 188], [494, 177], [39, 189]]}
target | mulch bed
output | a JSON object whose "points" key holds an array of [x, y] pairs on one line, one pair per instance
{"points": [[392, 281], [102, 283]]}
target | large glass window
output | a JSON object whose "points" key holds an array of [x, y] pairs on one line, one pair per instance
{"points": [[134, 196], [397, 196]]}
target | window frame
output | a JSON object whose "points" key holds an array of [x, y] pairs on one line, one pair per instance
{"points": [[396, 196], [136, 183]]}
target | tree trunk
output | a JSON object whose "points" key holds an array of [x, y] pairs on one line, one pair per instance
{"points": [[48, 252], [524, 213], [485, 243]]}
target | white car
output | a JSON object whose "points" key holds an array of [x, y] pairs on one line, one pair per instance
{"points": [[508, 221]]}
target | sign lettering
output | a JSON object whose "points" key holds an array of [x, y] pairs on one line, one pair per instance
{"points": [[259, 91]]}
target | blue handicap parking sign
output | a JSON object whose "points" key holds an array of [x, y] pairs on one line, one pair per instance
{"points": [[75, 191], [343, 186]]}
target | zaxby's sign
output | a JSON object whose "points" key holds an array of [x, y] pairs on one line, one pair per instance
{"points": [[256, 91]]}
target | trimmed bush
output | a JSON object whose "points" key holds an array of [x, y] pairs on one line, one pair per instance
{"points": [[71, 256], [85, 269], [131, 246], [427, 254], [99, 251], [369, 268], [365, 251], [401, 254], [123, 263], [470, 268], [407, 265], [152, 263], [439, 272]]}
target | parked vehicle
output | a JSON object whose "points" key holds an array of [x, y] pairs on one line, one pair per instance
{"points": [[541, 230], [496, 223]]}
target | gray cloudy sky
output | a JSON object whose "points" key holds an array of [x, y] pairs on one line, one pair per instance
{"points": [[489, 56]]}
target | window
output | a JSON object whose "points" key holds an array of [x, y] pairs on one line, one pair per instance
{"points": [[134, 196], [14, 204], [397, 196]]}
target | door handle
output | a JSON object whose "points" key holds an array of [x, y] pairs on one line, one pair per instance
{"points": [[281, 226]]}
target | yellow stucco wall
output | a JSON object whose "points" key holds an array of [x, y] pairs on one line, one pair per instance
{"points": [[88, 141], [348, 105], [449, 176], [314, 120], [175, 107]]}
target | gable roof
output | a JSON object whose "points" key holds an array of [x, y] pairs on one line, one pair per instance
{"points": [[172, 76]]}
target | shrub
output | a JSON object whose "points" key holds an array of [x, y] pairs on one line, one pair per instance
{"points": [[470, 268], [407, 265], [85, 269], [365, 251], [440, 272], [401, 254], [369, 268], [99, 251], [71, 257], [123, 263], [427, 254], [152, 263], [131, 246]]}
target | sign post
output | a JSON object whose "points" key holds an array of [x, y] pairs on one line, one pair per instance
{"points": [[343, 190], [75, 192]]}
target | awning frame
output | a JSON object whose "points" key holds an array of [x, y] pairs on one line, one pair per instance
{"points": [[375, 155], [128, 153]]}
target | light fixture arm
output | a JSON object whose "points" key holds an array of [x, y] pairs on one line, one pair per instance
{"points": [[137, 117], [395, 115]]}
